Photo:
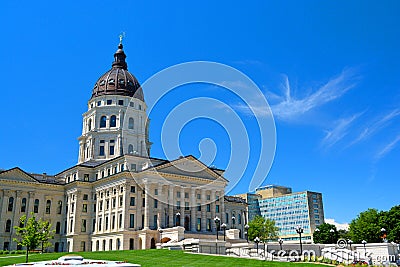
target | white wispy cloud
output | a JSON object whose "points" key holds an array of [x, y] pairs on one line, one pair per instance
{"points": [[290, 107], [389, 147], [339, 226], [339, 131], [378, 124], [287, 107]]}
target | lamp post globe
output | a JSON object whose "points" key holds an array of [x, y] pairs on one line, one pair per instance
{"points": [[365, 249], [217, 221], [246, 228], [280, 241], [332, 232], [257, 240], [350, 242]]}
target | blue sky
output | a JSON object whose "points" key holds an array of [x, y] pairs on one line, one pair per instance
{"points": [[330, 72]]}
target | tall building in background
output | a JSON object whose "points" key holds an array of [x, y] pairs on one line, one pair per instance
{"points": [[116, 197], [287, 209]]}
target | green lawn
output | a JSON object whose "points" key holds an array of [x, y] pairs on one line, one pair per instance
{"points": [[157, 258]]}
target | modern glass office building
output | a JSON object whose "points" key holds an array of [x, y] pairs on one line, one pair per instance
{"points": [[304, 209]]}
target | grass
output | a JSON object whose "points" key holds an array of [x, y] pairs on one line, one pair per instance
{"points": [[150, 258]]}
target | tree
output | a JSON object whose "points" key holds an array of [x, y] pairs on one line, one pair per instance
{"points": [[324, 234], [262, 228], [32, 233], [366, 227], [390, 220]]}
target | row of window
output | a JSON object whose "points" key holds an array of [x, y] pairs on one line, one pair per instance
{"points": [[35, 205]]}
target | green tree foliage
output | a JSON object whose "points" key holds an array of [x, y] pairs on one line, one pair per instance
{"points": [[262, 228], [32, 233], [324, 235], [390, 220], [366, 227]]}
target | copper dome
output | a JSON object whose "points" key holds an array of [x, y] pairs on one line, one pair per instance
{"points": [[118, 80]]}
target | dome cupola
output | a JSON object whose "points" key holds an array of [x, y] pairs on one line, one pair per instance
{"points": [[118, 80]]}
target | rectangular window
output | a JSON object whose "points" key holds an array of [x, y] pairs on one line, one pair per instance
{"points": [[86, 177], [208, 208], [178, 194], [226, 218], [316, 206], [155, 203], [113, 222], [98, 103], [107, 204], [208, 197], [131, 220], [109, 102], [178, 205], [143, 202], [120, 221], [101, 152], [132, 202], [186, 205], [106, 223], [198, 207], [83, 225], [316, 216], [100, 224], [186, 195], [121, 202], [112, 150], [198, 196], [316, 211], [133, 189], [84, 207], [209, 225], [114, 202], [131, 104], [217, 208], [120, 102], [156, 191], [85, 197], [198, 227], [94, 225], [316, 221]]}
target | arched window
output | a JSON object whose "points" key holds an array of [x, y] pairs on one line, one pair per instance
{"points": [[83, 246], [58, 227], [59, 207], [104, 245], [239, 219], [8, 226], [130, 149], [10, 203], [113, 121], [48, 206], [97, 245], [110, 243], [131, 123], [23, 205], [118, 244], [89, 125], [36, 206], [103, 121]]}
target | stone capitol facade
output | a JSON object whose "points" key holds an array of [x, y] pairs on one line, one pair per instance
{"points": [[118, 197]]}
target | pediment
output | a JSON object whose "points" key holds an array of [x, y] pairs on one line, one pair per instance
{"points": [[16, 174], [188, 166]]}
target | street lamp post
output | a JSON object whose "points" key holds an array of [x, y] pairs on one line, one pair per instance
{"points": [[246, 227], [300, 230], [177, 223], [365, 249], [223, 226], [257, 240], [350, 242], [217, 221], [280, 240], [384, 234]]}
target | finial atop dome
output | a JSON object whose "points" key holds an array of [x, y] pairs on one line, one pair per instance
{"points": [[119, 56]]}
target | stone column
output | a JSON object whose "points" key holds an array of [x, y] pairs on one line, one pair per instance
{"points": [[222, 206], [182, 207], [146, 208], [203, 211], [212, 204], [171, 204], [192, 205]]}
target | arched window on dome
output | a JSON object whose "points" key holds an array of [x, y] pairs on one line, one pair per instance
{"points": [[89, 125], [130, 149], [113, 121], [131, 123], [103, 121]]}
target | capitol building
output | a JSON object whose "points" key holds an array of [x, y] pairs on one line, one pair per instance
{"points": [[117, 197]]}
